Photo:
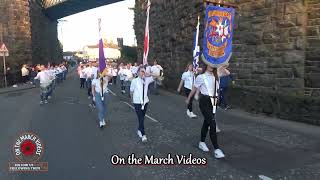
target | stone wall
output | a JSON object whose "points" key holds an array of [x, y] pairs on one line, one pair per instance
{"points": [[15, 22], [312, 63], [276, 44], [45, 43], [29, 35]]}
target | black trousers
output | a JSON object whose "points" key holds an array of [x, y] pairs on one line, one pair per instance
{"points": [[209, 121], [122, 85], [187, 92], [114, 80], [89, 87], [24, 79], [82, 80], [141, 114]]}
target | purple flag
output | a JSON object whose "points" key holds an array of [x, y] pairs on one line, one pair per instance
{"points": [[102, 59]]}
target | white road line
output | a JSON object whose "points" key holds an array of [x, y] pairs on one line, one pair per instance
{"points": [[152, 119], [262, 177], [112, 92]]}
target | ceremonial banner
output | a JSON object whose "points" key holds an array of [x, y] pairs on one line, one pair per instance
{"points": [[218, 33]]}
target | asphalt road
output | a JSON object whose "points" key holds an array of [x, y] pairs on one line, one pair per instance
{"points": [[76, 149]]}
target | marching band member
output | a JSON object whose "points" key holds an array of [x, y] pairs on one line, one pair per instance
{"points": [[208, 84], [157, 72], [100, 95], [121, 73], [139, 95], [188, 79], [134, 69], [44, 78]]}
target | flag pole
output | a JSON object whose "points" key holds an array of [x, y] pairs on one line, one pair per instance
{"points": [[100, 57], [146, 36]]}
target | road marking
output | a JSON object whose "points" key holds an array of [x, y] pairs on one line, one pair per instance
{"points": [[152, 119], [262, 177], [112, 93]]}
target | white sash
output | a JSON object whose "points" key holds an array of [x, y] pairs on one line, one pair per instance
{"points": [[142, 97], [212, 98]]}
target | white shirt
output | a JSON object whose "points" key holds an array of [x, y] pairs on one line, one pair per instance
{"points": [[97, 85], [187, 77], [204, 79], [88, 72], [148, 69], [122, 74], [136, 88], [114, 72], [155, 70], [134, 69], [94, 72], [125, 74], [82, 74], [43, 76], [24, 71]]}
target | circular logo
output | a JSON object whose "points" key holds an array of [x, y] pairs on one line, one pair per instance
{"points": [[28, 147]]}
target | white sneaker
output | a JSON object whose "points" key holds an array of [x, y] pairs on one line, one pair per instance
{"points": [[192, 115], [100, 124], [217, 129], [103, 122], [139, 134], [144, 138], [189, 114], [41, 102], [218, 154], [46, 101], [203, 146]]}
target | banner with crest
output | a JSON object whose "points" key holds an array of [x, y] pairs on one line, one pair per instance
{"points": [[218, 33]]}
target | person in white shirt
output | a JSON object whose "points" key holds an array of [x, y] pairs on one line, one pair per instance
{"points": [[157, 73], [100, 95], [114, 74], [208, 84], [122, 75], [24, 73], [44, 84], [134, 69], [139, 95], [188, 79], [51, 74], [128, 78], [88, 72], [82, 76]]}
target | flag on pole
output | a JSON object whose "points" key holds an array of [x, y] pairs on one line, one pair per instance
{"points": [[102, 62], [146, 37], [196, 48]]}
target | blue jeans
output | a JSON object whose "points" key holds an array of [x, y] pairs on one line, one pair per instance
{"points": [[141, 114], [44, 93], [101, 105]]}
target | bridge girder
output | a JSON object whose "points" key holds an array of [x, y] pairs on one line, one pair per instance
{"points": [[56, 9]]}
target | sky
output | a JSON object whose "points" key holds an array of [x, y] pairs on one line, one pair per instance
{"points": [[81, 29]]}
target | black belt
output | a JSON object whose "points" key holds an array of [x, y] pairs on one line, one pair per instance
{"points": [[202, 95]]}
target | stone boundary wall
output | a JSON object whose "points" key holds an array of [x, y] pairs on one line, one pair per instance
{"points": [[275, 51]]}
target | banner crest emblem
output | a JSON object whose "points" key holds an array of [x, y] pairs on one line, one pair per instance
{"points": [[218, 33]]}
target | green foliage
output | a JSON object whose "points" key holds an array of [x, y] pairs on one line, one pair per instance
{"points": [[129, 54]]}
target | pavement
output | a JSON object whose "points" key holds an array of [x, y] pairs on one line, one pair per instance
{"points": [[256, 147], [20, 87]]}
